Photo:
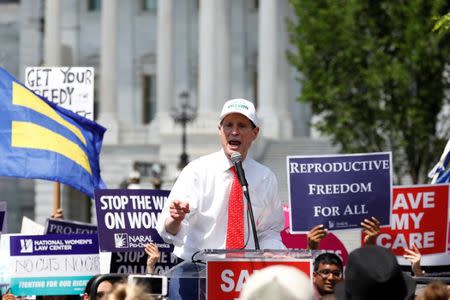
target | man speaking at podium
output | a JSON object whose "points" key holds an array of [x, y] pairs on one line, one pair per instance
{"points": [[206, 208]]}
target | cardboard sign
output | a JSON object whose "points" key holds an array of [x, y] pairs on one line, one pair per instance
{"points": [[339, 191], [419, 217], [69, 87], [52, 264], [127, 219], [225, 279], [60, 226]]}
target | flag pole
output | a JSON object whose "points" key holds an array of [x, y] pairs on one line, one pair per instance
{"points": [[56, 196]]}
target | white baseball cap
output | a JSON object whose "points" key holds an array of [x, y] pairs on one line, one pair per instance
{"points": [[240, 106]]}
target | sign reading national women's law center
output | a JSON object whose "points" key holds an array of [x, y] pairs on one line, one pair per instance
{"points": [[127, 219], [339, 191], [51, 264], [69, 87]]}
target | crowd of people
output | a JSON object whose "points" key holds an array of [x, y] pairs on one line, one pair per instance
{"points": [[206, 209]]}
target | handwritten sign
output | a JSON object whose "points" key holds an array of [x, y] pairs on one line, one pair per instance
{"points": [[127, 219], [419, 217], [52, 264], [69, 87], [339, 191]]}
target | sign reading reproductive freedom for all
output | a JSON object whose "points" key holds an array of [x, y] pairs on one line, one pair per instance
{"points": [[69, 87], [52, 264], [419, 217], [127, 219], [339, 191], [225, 279]]}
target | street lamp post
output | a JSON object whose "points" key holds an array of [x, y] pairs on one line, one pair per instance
{"points": [[183, 115]]}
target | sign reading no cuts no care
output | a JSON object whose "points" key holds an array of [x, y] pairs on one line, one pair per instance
{"points": [[339, 191]]}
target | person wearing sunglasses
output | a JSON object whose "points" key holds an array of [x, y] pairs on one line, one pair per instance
{"points": [[328, 271]]}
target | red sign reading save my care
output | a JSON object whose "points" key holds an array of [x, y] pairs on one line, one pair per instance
{"points": [[226, 278], [419, 217]]}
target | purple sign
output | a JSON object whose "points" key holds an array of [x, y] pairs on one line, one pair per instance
{"points": [[136, 263], [127, 219], [339, 191], [2, 217], [59, 226], [2, 220], [54, 244]]}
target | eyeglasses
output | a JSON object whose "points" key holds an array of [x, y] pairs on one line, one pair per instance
{"points": [[324, 273]]}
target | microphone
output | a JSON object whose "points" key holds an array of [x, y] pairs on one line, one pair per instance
{"points": [[236, 159]]}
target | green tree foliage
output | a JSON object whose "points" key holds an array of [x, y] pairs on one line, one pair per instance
{"points": [[376, 74], [442, 24]]}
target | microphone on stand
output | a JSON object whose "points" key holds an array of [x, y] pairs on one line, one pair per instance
{"points": [[236, 159]]}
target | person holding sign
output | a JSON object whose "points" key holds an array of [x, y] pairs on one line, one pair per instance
{"points": [[208, 194], [371, 228]]}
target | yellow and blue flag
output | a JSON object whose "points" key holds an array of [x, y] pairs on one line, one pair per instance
{"points": [[39, 139]]}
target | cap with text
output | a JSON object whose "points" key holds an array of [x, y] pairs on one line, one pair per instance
{"points": [[240, 106]]}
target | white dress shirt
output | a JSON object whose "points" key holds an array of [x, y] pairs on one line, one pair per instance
{"points": [[205, 184]]}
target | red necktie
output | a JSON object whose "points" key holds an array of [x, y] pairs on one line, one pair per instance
{"points": [[235, 228]]}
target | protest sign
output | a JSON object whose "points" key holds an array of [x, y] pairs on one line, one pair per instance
{"points": [[52, 264], [126, 219], [339, 191], [419, 217], [330, 243], [69, 87], [31, 227], [136, 263], [225, 279], [3, 220], [60, 226]]}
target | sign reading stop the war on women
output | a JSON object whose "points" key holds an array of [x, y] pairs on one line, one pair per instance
{"points": [[419, 217], [69, 87], [126, 219], [51, 264], [339, 191]]}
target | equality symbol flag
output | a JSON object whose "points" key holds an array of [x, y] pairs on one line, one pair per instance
{"points": [[40, 140]]}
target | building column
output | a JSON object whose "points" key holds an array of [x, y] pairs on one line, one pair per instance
{"points": [[164, 64], [214, 62], [108, 72], [52, 37], [273, 71]]}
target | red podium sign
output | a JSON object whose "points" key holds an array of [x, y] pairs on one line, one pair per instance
{"points": [[225, 278]]}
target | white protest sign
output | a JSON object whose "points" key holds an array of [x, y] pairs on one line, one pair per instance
{"points": [[70, 87]]}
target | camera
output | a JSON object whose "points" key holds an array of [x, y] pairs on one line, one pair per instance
{"points": [[153, 284]]}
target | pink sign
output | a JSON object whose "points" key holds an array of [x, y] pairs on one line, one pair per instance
{"points": [[330, 243]]}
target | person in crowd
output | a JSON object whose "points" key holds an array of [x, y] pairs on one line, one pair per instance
{"points": [[372, 272], [328, 271], [206, 207], [371, 228], [153, 256], [414, 256], [278, 282], [103, 289], [435, 290], [134, 180]]}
